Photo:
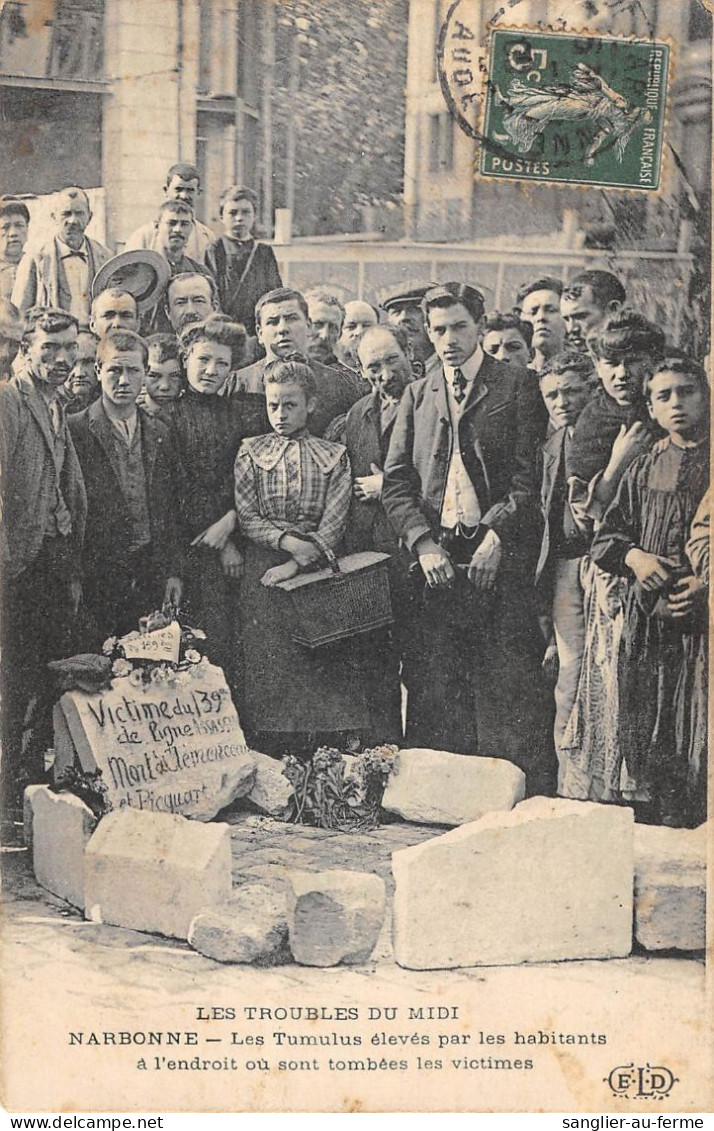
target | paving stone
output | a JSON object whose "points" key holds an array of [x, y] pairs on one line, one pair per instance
{"points": [[440, 788], [271, 790], [670, 887], [154, 871], [550, 880], [334, 916], [251, 927], [61, 825]]}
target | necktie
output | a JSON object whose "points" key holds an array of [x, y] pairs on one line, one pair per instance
{"points": [[55, 416], [76, 255], [459, 385]]}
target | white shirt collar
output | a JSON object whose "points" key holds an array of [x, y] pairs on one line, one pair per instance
{"points": [[470, 368], [65, 249]]}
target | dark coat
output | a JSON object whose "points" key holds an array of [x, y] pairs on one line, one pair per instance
{"points": [[368, 527], [108, 531], [262, 276], [552, 459], [498, 434], [335, 393]]}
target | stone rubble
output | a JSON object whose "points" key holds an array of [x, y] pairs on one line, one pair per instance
{"points": [[271, 790], [155, 871], [550, 880], [434, 787], [251, 927], [60, 826], [670, 887], [334, 916]]}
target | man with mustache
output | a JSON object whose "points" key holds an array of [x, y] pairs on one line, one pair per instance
{"points": [[42, 519], [14, 222], [59, 274]]}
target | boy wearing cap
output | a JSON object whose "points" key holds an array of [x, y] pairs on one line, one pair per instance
{"points": [[244, 268], [14, 224], [459, 489]]}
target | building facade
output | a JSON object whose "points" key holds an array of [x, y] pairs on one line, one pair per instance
{"points": [[444, 201], [112, 92]]}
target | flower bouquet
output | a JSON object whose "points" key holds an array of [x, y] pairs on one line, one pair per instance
{"points": [[158, 652], [333, 790]]}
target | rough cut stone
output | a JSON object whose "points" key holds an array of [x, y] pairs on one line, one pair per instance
{"points": [[271, 790], [163, 748], [670, 887], [552, 879], [154, 871], [251, 926], [434, 787], [334, 916], [61, 827], [27, 813]]}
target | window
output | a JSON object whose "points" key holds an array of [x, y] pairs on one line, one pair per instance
{"points": [[441, 143]]}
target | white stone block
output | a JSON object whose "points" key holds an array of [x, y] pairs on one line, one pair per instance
{"points": [[154, 871], [670, 887], [61, 828], [28, 813], [271, 790], [334, 916], [550, 880], [251, 926], [435, 787]]}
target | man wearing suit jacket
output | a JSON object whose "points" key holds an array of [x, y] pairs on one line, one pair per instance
{"points": [[131, 560], [459, 490], [281, 318], [60, 273], [384, 358], [566, 385], [42, 520]]}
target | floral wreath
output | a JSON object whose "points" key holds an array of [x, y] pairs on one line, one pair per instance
{"points": [[143, 671]]}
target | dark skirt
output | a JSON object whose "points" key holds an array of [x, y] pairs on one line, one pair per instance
{"points": [[289, 688]]}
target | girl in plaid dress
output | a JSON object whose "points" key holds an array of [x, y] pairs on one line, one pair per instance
{"points": [[292, 495]]}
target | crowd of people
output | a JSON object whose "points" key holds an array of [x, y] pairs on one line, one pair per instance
{"points": [[178, 428]]}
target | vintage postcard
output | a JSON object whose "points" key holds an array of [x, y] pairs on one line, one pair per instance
{"points": [[400, 802]]}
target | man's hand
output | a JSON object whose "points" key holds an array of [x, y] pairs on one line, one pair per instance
{"points": [[651, 570], [685, 595], [368, 487], [231, 561], [304, 552], [435, 563], [75, 593], [550, 663], [173, 592], [215, 537], [485, 562]]}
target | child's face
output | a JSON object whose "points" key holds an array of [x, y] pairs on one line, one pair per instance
{"points": [[288, 407], [622, 378], [207, 366], [678, 402], [506, 345], [121, 374], [163, 379], [565, 396]]}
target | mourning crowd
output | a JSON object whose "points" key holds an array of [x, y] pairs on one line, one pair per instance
{"points": [[178, 428]]}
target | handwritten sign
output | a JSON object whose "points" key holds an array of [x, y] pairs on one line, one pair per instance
{"points": [[165, 748], [161, 644]]}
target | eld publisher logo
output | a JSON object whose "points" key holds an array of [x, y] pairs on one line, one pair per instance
{"points": [[649, 1081]]}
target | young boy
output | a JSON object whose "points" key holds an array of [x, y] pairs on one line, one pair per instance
{"points": [[566, 385], [164, 377], [244, 268], [132, 559]]}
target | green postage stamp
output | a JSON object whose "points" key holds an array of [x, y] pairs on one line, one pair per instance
{"points": [[575, 109]]}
